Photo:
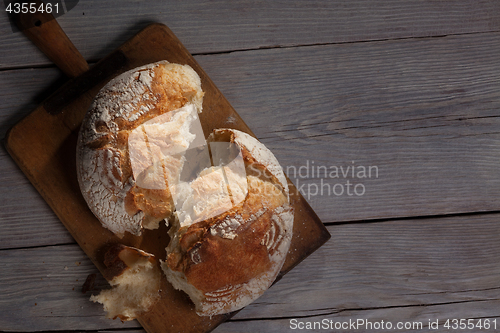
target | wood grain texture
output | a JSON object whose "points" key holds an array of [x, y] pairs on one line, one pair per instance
{"points": [[393, 271], [39, 286], [425, 112], [25, 219], [22, 91], [98, 27]]}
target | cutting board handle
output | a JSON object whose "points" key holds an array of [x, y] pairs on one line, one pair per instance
{"points": [[46, 33]]}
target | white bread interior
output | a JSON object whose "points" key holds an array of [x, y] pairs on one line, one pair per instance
{"points": [[135, 286], [266, 205], [128, 105]]}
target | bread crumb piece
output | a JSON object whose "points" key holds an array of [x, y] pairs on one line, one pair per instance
{"points": [[136, 287]]}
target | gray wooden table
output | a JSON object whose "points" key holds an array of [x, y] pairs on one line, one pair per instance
{"points": [[385, 114]]}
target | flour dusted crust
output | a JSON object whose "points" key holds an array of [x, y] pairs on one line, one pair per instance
{"points": [[103, 162], [140, 161], [226, 262]]}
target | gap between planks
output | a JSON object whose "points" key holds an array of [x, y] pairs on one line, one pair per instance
{"points": [[338, 223], [92, 62]]}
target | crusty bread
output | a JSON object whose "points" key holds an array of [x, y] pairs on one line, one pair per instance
{"points": [[135, 279], [227, 261], [127, 107], [143, 158]]}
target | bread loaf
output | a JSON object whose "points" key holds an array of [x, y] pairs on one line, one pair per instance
{"points": [[227, 261], [104, 167], [142, 159]]}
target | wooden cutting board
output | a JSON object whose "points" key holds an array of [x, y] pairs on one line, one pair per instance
{"points": [[43, 145]]}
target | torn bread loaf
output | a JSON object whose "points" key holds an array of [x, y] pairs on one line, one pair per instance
{"points": [[142, 158], [134, 276], [127, 109], [228, 260]]}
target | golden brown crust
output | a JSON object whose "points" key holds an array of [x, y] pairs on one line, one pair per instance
{"points": [[118, 258], [201, 249], [206, 271], [135, 279], [227, 261], [104, 166], [114, 265]]}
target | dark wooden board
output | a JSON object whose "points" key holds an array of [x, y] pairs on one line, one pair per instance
{"points": [[43, 145]]}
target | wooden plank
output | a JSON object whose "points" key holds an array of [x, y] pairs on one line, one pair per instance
{"points": [[401, 263], [43, 285], [98, 27], [416, 319], [411, 270], [25, 219], [22, 91], [423, 111]]}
